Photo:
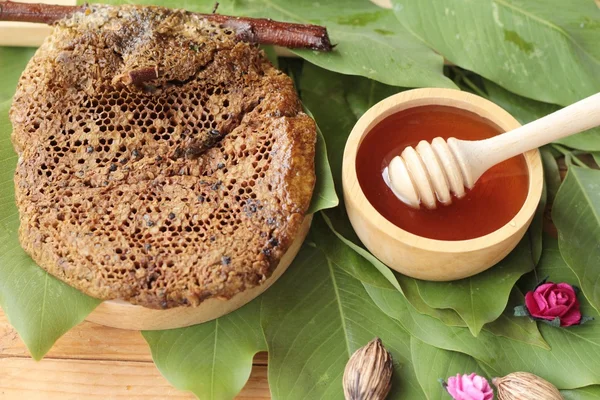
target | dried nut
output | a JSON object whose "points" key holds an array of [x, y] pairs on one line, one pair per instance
{"points": [[525, 386], [368, 373]]}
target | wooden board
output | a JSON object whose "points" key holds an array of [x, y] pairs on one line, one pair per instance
{"points": [[96, 362]]}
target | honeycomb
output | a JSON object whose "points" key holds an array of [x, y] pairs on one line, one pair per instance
{"points": [[186, 185]]}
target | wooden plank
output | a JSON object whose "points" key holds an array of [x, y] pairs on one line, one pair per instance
{"points": [[93, 361], [85, 341], [257, 387], [261, 358], [88, 341], [385, 3], [53, 379]]}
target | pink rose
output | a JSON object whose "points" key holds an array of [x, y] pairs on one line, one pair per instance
{"points": [[469, 387], [554, 300]]}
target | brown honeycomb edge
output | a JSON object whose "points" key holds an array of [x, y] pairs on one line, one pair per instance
{"points": [[122, 315]]}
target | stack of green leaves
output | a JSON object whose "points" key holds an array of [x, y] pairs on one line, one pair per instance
{"points": [[528, 56]]}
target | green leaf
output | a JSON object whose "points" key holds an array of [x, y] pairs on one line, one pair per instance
{"points": [[552, 182], [481, 298], [543, 49], [516, 328], [355, 264], [552, 178], [316, 316], [313, 318], [348, 97], [571, 157], [586, 393], [410, 290], [576, 214], [39, 306], [596, 156], [337, 117], [213, 360], [571, 363], [535, 230], [293, 68], [507, 325], [527, 110], [12, 63], [324, 195], [369, 41], [375, 277], [432, 363], [271, 54]]}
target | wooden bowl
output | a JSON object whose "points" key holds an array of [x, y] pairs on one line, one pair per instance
{"points": [[123, 315], [419, 257]]}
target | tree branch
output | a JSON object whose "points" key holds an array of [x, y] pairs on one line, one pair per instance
{"points": [[254, 30], [32, 12]]}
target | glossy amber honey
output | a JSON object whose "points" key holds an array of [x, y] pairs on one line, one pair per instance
{"points": [[496, 198]]}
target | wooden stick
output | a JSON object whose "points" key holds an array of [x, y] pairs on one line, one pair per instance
{"points": [[140, 75], [34, 12], [267, 31], [254, 30], [431, 173]]}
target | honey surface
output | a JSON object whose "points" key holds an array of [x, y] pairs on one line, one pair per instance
{"points": [[496, 198]]}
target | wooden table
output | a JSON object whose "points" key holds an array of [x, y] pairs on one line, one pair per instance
{"points": [[96, 362]]}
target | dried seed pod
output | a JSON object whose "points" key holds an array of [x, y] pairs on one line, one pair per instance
{"points": [[368, 373], [525, 386]]}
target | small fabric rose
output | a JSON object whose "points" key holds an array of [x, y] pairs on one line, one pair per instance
{"points": [[550, 301], [553, 303], [469, 387]]}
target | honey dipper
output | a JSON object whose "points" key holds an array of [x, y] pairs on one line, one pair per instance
{"points": [[433, 172]]}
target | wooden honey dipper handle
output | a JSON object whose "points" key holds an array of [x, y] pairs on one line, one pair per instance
{"points": [[431, 172], [479, 156]]}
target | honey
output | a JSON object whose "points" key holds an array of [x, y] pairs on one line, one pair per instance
{"points": [[494, 200]]}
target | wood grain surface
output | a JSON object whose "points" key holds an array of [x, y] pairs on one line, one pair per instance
{"points": [[96, 362]]}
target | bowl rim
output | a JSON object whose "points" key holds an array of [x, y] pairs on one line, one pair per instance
{"points": [[445, 97]]}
